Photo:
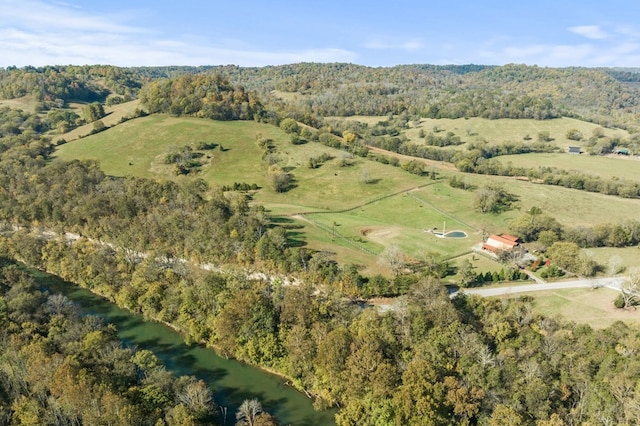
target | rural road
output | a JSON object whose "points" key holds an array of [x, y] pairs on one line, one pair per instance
{"points": [[610, 282]]}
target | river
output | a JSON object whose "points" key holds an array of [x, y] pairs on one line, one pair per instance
{"points": [[231, 381]]}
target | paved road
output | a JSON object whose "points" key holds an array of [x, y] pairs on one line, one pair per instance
{"points": [[611, 282]]}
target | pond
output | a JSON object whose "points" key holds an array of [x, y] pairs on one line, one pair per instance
{"points": [[451, 234], [231, 381]]}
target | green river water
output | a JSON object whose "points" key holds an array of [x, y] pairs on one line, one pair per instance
{"points": [[231, 381]]}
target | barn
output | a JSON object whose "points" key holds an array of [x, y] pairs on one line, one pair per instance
{"points": [[502, 242]]}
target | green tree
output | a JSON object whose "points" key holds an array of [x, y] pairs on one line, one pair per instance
{"points": [[544, 136], [93, 111], [493, 199], [466, 273], [574, 135], [289, 125]]}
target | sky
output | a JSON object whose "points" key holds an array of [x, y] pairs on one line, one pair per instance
{"points": [[546, 33]]}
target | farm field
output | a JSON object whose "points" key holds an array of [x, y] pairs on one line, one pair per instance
{"points": [[623, 167]]}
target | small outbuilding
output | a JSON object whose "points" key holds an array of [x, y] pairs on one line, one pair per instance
{"points": [[500, 242], [574, 150]]}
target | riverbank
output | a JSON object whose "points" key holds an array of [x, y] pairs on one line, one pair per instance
{"points": [[231, 381]]}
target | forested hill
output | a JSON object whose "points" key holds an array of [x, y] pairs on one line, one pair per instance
{"points": [[605, 95]]}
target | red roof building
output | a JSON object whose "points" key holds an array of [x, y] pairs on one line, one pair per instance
{"points": [[501, 242]]}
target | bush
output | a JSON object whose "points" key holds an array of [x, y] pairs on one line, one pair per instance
{"points": [[619, 302], [289, 125]]}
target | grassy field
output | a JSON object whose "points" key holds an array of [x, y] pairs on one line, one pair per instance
{"points": [[332, 187], [627, 167], [616, 259], [26, 103], [508, 130], [370, 120], [113, 115], [138, 148], [584, 306], [497, 131], [393, 209], [480, 264]]}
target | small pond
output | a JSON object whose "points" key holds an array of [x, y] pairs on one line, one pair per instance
{"points": [[451, 234]]}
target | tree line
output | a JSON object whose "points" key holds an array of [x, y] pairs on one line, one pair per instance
{"points": [[59, 367], [599, 95], [431, 360], [208, 96]]}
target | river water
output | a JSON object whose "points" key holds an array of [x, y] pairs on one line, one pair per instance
{"points": [[231, 381]]}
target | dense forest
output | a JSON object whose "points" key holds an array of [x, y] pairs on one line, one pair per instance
{"points": [[183, 254], [58, 367], [606, 96]]}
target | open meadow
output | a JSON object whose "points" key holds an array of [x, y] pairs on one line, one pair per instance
{"points": [[350, 206], [593, 307], [614, 166], [113, 116], [26, 103], [497, 132]]}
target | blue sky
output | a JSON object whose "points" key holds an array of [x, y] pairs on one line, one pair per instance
{"points": [[271, 32]]}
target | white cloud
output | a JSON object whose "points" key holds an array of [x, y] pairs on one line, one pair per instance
{"points": [[409, 45], [593, 32], [37, 33], [41, 17]]}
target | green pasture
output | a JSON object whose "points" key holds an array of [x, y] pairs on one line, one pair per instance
{"points": [[370, 120], [623, 167], [570, 207], [332, 187], [618, 259], [373, 205], [138, 148], [317, 238], [508, 130], [113, 116], [593, 307], [480, 264], [400, 221], [26, 103]]}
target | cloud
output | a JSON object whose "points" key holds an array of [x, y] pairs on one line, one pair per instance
{"points": [[623, 54], [40, 17], [37, 33], [409, 45], [589, 31]]}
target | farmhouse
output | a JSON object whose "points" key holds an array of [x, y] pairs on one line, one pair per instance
{"points": [[500, 242]]}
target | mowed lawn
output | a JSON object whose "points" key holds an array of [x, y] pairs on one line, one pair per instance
{"points": [[401, 221], [615, 260]]}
